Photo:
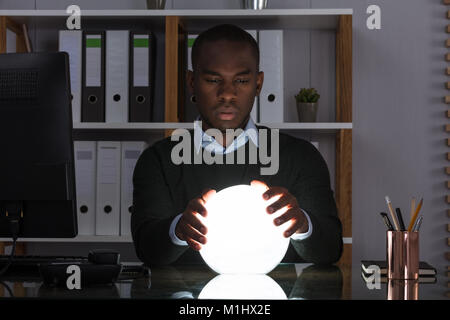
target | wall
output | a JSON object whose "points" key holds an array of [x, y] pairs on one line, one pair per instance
{"points": [[398, 112]]}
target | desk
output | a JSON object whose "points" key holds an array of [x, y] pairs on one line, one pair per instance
{"points": [[287, 281]]}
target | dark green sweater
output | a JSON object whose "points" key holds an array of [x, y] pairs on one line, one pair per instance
{"points": [[162, 190]]}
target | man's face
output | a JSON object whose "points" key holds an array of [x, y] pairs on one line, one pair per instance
{"points": [[225, 84]]}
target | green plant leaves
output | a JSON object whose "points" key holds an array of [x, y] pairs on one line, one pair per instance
{"points": [[308, 95]]}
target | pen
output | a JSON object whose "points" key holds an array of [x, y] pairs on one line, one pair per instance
{"points": [[414, 217], [387, 222], [391, 211], [418, 223], [400, 219]]}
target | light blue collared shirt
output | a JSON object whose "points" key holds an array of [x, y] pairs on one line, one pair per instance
{"points": [[207, 142]]}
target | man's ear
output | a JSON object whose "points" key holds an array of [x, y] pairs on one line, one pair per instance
{"points": [[190, 81], [259, 82]]}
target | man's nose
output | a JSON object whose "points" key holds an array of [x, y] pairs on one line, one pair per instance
{"points": [[227, 91]]}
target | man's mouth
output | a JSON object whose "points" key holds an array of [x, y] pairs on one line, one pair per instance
{"points": [[227, 114]]}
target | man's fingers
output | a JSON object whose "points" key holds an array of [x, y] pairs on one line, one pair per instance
{"points": [[192, 219], [207, 194], [288, 215], [259, 183], [281, 203], [196, 205], [296, 224], [274, 191], [194, 244], [190, 233], [295, 220]]}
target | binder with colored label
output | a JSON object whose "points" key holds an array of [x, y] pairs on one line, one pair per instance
{"points": [[93, 77], [116, 108], [190, 43], [141, 76]]}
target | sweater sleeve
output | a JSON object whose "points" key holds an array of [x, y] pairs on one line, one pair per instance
{"points": [[312, 189], [153, 212]]}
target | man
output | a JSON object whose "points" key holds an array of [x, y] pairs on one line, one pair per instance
{"points": [[167, 197]]}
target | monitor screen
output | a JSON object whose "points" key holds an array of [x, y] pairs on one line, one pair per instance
{"points": [[36, 162]]}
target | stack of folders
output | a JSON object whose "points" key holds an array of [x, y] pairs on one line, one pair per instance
{"points": [[268, 107], [427, 273], [104, 185], [111, 74]]}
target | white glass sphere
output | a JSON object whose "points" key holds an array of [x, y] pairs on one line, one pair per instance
{"points": [[242, 237], [242, 286]]}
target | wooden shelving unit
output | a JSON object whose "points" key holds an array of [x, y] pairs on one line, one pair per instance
{"points": [[310, 126], [176, 24], [78, 239]]}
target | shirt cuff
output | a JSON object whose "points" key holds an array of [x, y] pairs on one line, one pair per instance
{"points": [[305, 235], [173, 236]]}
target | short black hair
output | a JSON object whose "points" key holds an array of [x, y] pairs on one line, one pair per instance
{"points": [[227, 32]]}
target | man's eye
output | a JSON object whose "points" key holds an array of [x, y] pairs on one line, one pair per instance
{"points": [[242, 80], [213, 80]]}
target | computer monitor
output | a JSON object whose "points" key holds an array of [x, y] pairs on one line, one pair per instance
{"points": [[37, 172]]}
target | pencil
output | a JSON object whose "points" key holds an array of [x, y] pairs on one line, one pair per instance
{"points": [[391, 211], [413, 207], [414, 217]]}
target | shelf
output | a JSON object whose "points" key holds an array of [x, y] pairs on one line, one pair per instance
{"points": [[199, 19], [77, 239], [132, 126], [93, 239], [160, 126], [309, 125], [180, 12]]}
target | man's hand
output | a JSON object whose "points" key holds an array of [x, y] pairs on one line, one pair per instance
{"points": [[189, 228], [293, 213]]}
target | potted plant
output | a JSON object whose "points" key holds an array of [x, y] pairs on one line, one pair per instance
{"points": [[307, 104]]}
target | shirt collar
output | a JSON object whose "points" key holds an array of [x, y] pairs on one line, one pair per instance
{"points": [[201, 138]]}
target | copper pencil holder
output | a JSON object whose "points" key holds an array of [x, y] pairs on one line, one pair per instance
{"points": [[402, 250], [403, 289]]}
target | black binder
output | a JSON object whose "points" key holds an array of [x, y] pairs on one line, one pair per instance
{"points": [[93, 77], [141, 76]]}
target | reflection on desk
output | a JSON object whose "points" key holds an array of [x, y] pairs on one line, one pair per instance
{"points": [[291, 281], [287, 281], [242, 286]]}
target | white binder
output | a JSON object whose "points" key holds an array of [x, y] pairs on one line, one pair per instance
{"points": [[85, 176], [254, 113], [271, 100], [70, 41], [131, 150], [108, 188], [117, 61]]}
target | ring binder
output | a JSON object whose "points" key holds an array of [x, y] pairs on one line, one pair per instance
{"points": [[93, 77], [141, 76]]}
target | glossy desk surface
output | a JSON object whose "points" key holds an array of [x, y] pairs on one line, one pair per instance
{"points": [[287, 281]]}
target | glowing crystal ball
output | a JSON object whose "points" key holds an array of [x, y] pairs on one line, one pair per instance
{"points": [[241, 237], [243, 286]]}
